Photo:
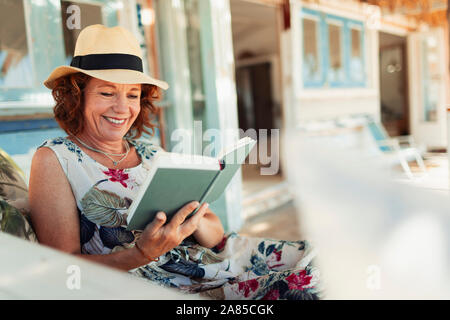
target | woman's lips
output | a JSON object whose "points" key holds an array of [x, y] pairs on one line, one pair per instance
{"points": [[115, 121]]}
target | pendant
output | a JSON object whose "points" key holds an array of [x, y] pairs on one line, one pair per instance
{"points": [[115, 163]]}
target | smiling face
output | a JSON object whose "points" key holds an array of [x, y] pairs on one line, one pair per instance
{"points": [[110, 109]]}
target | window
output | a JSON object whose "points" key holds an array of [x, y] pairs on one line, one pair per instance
{"points": [[16, 69], [336, 72], [356, 62], [32, 45], [333, 51], [312, 68]]}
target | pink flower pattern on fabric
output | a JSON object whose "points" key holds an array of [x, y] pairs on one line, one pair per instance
{"points": [[247, 286], [117, 175], [274, 258], [298, 282]]}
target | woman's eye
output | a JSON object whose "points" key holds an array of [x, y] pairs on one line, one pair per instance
{"points": [[106, 94], [132, 96]]}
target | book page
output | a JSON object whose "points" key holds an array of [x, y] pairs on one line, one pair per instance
{"points": [[237, 145], [188, 161]]}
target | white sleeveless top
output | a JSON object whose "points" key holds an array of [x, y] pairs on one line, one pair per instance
{"points": [[103, 195]]}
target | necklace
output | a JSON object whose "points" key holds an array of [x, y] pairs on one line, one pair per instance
{"points": [[115, 162]]}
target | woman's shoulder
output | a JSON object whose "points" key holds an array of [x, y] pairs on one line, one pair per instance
{"points": [[62, 145], [57, 141], [44, 160], [146, 148]]}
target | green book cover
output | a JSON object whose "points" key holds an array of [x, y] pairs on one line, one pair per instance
{"points": [[177, 179]]}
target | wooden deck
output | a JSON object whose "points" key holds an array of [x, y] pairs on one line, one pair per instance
{"points": [[280, 223]]}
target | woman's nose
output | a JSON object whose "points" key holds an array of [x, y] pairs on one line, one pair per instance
{"points": [[121, 103]]}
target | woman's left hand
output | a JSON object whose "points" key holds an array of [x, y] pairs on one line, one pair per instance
{"points": [[159, 237]]}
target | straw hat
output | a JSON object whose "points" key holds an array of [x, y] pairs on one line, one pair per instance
{"points": [[110, 54]]}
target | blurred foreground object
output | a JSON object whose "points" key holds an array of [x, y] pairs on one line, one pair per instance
{"points": [[32, 271], [376, 239]]}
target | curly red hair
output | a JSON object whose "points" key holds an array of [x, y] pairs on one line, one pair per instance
{"points": [[69, 98]]}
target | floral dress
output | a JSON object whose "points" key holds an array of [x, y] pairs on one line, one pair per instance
{"points": [[237, 268]]}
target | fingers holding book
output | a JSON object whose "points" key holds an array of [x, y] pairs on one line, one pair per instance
{"points": [[158, 237], [190, 225], [182, 214], [157, 223]]}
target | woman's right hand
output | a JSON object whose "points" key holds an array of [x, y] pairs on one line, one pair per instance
{"points": [[158, 238]]}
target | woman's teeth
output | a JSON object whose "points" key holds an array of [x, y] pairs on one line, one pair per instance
{"points": [[115, 120]]}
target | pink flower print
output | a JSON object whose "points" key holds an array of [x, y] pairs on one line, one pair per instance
{"points": [[297, 282], [248, 285], [273, 258], [117, 175]]}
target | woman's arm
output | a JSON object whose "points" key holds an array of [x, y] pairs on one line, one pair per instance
{"points": [[54, 213]]}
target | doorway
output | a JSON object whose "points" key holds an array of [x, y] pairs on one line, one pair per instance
{"points": [[256, 44], [394, 102]]}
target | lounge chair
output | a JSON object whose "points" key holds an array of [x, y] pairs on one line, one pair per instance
{"points": [[402, 149]]}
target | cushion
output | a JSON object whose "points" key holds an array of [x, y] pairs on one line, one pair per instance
{"points": [[12, 221], [14, 208], [12, 184]]}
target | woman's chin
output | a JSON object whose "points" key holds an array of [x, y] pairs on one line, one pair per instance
{"points": [[115, 135]]}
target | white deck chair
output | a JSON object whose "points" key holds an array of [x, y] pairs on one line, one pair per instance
{"points": [[402, 148]]}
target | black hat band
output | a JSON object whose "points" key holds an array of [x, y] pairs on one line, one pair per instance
{"points": [[107, 61]]}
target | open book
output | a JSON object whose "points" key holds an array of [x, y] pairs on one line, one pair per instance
{"points": [[175, 179]]}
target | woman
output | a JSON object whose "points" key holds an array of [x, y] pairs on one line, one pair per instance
{"points": [[81, 186]]}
